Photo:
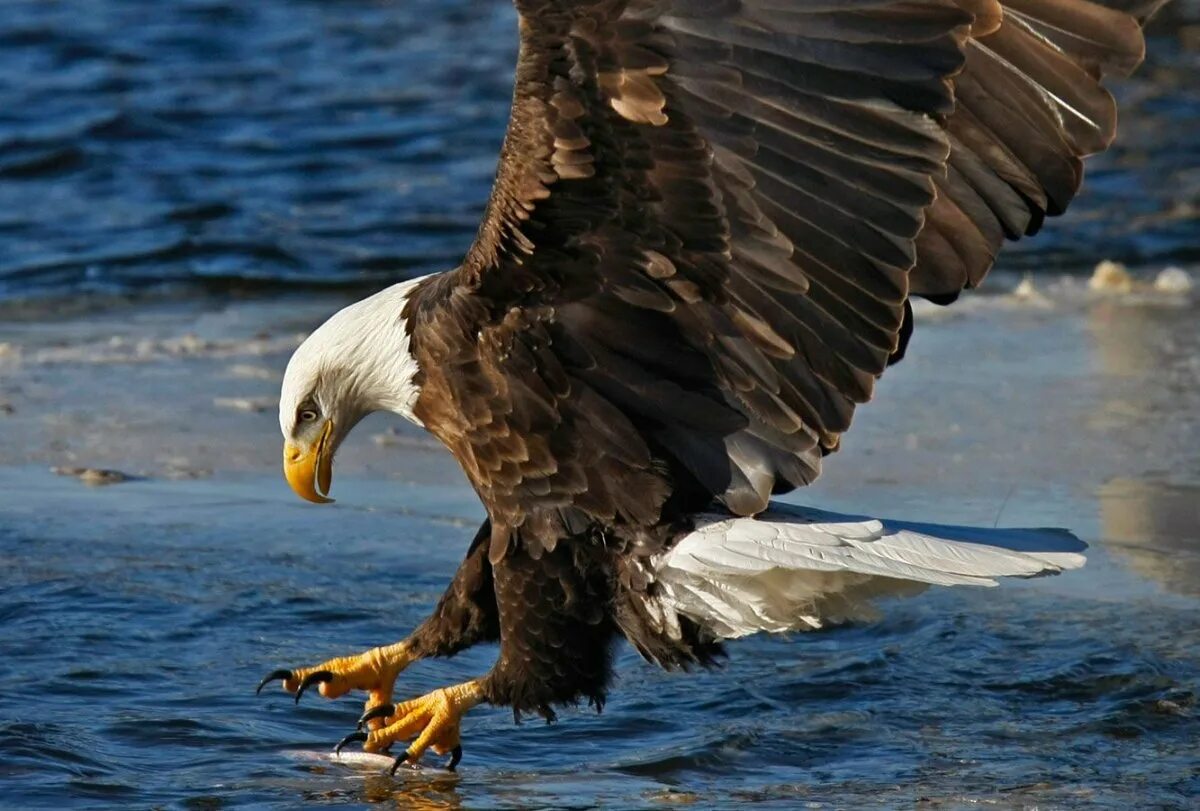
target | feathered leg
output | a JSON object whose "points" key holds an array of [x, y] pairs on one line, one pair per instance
{"points": [[556, 635], [556, 628]]}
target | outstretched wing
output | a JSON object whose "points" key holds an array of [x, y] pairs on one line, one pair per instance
{"points": [[1028, 108], [707, 221]]}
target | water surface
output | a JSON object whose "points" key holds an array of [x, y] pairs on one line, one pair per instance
{"points": [[136, 625]]}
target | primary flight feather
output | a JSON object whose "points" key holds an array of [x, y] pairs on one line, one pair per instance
{"points": [[708, 220]]}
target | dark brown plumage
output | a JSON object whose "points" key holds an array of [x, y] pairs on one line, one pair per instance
{"points": [[698, 252], [707, 222]]}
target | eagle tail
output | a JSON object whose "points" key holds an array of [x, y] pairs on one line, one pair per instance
{"points": [[795, 568]]}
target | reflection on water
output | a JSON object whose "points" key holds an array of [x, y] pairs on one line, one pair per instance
{"points": [[1155, 527], [416, 793], [1148, 356]]}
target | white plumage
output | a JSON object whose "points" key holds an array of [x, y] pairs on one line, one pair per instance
{"points": [[360, 355], [796, 568]]}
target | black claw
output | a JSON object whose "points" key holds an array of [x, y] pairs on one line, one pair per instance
{"points": [[399, 762], [455, 757], [382, 711], [282, 675], [319, 677], [360, 737]]}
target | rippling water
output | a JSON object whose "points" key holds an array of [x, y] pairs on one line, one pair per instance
{"points": [[144, 142], [149, 141], [132, 646]]}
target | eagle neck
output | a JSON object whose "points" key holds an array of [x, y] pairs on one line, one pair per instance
{"points": [[381, 369]]}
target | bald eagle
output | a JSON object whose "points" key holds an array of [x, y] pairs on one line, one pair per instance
{"points": [[707, 224]]}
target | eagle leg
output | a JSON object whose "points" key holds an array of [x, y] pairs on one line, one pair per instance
{"points": [[432, 721]]}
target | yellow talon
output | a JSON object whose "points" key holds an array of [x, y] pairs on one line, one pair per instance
{"points": [[433, 721], [374, 671]]}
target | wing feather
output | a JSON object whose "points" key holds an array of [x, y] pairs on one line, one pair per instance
{"points": [[706, 225], [1029, 107]]}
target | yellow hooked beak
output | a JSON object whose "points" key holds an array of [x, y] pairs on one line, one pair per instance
{"points": [[310, 470]]}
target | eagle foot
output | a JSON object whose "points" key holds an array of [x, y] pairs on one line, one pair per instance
{"points": [[432, 721], [374, 671]]}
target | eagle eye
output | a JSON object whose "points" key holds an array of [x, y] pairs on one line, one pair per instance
{"points": [[307, 415]]}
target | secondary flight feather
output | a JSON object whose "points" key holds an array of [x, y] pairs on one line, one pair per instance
{"points": [[708, 220]]}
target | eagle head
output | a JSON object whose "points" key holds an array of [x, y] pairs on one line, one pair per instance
{"points": [[355, 363]]}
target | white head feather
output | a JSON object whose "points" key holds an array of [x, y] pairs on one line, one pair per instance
{"points": [[355, 363]]}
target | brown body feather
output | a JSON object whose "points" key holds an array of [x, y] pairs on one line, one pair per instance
{"points": [[697, 257]]}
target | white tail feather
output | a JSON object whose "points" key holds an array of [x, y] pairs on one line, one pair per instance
{"points": [[793, 568]]}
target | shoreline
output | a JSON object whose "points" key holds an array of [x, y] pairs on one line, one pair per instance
{"points": [[1046, 406]]}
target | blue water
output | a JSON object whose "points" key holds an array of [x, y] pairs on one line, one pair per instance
{"points": [[145, 142], [136, 622], [148, 142]]}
